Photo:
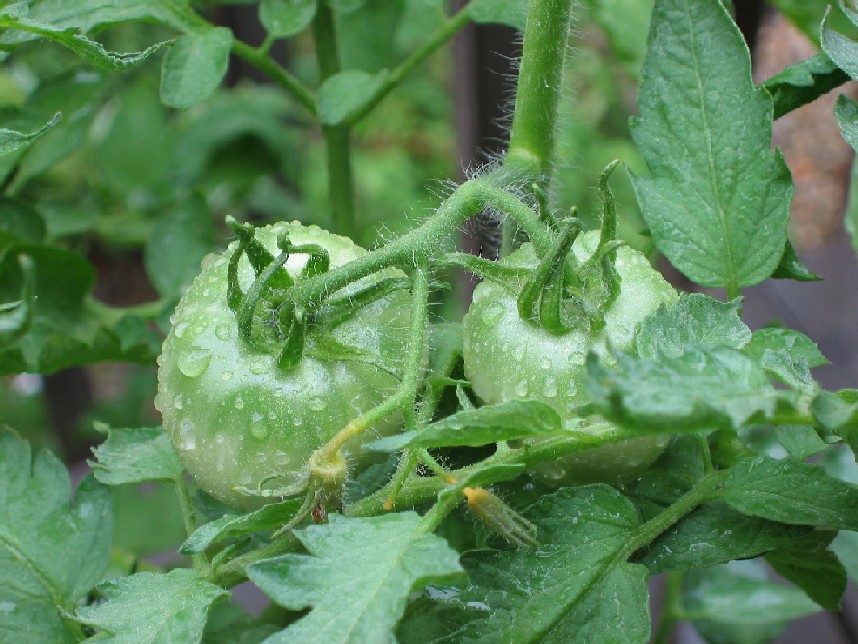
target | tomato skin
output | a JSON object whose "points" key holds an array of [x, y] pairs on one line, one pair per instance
{"points": [[233, 417], [508, 358]]}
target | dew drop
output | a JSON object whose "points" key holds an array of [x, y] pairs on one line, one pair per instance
{"points": [[297, 421], [317, 404], [179, 402], [281, 458], [223, 332], [272, 415], [259, 430], [187, 436], [239, 403], [227, 375], [550, 390], [521, 388], [259, 365], [180, 329], [193, 363]]}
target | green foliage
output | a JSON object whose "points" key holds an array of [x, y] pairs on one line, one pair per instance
{"points": [[51, 552], [386, 557], [718, 199], [112, 158], [159, 608]]}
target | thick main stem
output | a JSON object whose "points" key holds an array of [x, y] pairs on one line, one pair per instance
{"points": [[337, 138], [540, 79]]}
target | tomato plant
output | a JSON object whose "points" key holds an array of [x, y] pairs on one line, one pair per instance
{"points": [[378, 466]]}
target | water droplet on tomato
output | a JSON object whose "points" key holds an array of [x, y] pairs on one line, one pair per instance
{"points": [[258, 429], [178, 402], [259, 365], [521, 388], [187, 436], [239, 403], [550, 388], [194, 362], [180, 329], [223, 332], [281, 458]]}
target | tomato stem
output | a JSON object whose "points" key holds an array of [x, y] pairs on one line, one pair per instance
{"points": [[407, 391], [337, 138], [540, 81], [422, 245]]}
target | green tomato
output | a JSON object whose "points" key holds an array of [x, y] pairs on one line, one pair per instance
{"points": [[235, 419], [508, 358]]}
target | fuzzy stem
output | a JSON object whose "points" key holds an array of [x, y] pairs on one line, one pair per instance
{"points": [[423, 244], [540, 79], [407, 391], [337, 138]]}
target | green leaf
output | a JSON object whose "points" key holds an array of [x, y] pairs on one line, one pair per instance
{"points": [[136, 456], [714, 534], [12, 141], [89, 50], [792, 343], [180, 238], [345, 6], [195, 66], [572, 589], [625, 25], [675, 472], [152, 607], [838, 415], [791, 268], [68, 327], [87, 15], [800, 441], [701, 389], [810, 565], [792, 492], [840, 49], [505, 12], [803, 83], [807, 16], [693, 321], [380, 560], [845, 546], [343, 96], [51, 552], [512, 420], [725, 602], [846, 113], [231, 526], [718, 200], [21, 221], [284, 18]]}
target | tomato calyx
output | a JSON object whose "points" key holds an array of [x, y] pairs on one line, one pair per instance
{"points": [[269, 291], [560, 296]]}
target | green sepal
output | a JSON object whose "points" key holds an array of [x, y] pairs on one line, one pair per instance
{"points": [[551, 267], [292, 351], [542, 207], [486, 269], [254, 294], [338, 309], [318, 261]]}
